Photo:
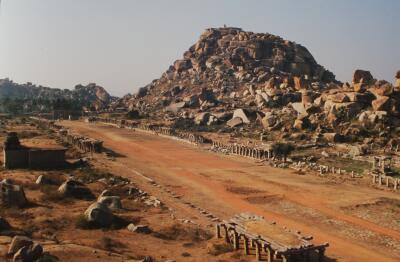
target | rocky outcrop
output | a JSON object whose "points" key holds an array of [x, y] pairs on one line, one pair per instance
{"points": [[229, 67], [29, 97]]}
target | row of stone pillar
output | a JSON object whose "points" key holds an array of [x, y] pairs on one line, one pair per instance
{"points": [[334, 170], [194, 138], [245, 151], [386, 181], [83, 143], [262, 249]]}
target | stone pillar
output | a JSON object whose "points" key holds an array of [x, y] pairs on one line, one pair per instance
{"points": [[258, 251], [320, 170], [226, 235], [333, 170], [217, 231], [395, 184], [285, 258], [245, 245], [387, 181], [380, 180], [270, 254], [235, 240], [321, 254]]}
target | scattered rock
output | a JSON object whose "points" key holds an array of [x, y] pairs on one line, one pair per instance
{"points": [[99, 214], [139, 228], [113, 202], [18, 242], [234, 122], [12, 195], [72, 188], [28, 253]]}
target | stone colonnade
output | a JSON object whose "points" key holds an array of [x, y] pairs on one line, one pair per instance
{"points": [[263, 250], [386, 181], [246, 151], [83, 143]]}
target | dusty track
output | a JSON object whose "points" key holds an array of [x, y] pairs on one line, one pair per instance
{"points": [[203, 177]]}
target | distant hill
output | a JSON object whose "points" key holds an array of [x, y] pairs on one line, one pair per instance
{"points": [[22, 98]]}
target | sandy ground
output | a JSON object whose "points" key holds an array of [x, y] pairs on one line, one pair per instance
{"points": [[177, 233], [227, 185]]}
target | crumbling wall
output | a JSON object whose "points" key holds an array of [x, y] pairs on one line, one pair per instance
{"points": [[46, 158]]}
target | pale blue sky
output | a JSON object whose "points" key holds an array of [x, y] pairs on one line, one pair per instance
{"points": [[124, 44]]}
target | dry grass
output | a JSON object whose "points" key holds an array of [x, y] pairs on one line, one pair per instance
{"points": [[110, 244], [50, 194], [217, 249], [178, 232]]}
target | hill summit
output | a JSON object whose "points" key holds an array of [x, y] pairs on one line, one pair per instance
{"points": [[228, 60]]}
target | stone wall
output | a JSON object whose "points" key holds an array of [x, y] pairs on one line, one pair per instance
{"points": [[46, 158], [34, 158], [18, 158]]}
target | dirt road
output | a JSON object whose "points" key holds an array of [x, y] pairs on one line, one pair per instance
{"points": [[227, 185]]}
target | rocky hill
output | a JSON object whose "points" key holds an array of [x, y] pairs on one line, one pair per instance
{"points": [[31, 98], [227, 61], [236, 81]]}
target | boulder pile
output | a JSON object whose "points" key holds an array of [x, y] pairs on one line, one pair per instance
{"points": [[234, 81]]}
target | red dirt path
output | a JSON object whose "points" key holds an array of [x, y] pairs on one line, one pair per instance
{"points": [[203, 176]]}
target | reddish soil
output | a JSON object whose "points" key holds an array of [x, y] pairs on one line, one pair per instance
{"points": [[223, 185]]}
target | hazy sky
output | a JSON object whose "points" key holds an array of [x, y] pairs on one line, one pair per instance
{"points": [[124, 44]]}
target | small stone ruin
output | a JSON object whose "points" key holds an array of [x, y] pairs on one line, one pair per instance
{"points": [[268, 241], [19, 156]]}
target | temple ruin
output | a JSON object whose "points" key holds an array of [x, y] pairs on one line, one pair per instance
{"points": [[19, 156]]}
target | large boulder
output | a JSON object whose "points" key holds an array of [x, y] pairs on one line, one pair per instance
{"points": [[269, 120], [28, 253], [181, 65], [191, 101], [362, 76], [300, 108], [12, 195], [18, 242], [113, 202], [202, 118], [44, 180], [244, 114], [99, 214], [76, 189], [381, 103], [338, 98], [301, 83], [234, 122], [175, 107], [332, 137], [385, 89]]}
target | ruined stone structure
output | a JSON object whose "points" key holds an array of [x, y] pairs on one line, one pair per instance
{"points": [[83, 143], [157, 129], [18, 156], [386, 181], [281, 245], [259, 153]]}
